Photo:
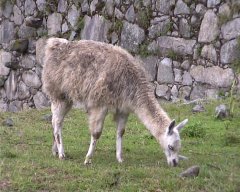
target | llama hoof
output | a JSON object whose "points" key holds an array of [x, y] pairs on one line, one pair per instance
{"points": [[120, 160], [88, 161], [62, 157], [55, 153]]}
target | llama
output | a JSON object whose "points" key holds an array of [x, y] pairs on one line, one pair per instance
{"points": [[105, 78]]}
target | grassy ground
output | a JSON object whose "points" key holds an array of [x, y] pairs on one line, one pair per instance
{"points": [[26, 163]]}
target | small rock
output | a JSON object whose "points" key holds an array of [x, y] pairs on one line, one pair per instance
{"points": [[191, 172], [47, 117], [8, 122], [198, 108], [221, 111]]}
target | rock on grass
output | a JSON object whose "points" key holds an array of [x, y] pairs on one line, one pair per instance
{"points": [[198, 108], [8, 122], [221, 111], [47, 117], [191, 172]]}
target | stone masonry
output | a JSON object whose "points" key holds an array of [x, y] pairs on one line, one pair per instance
{"points": [[186, 46]]}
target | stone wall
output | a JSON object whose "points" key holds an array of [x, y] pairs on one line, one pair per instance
{"points": [[187, 46]]}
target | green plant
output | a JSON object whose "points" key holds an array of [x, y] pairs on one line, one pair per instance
{"points": [[144, 16], [223, 18], [196, 129], [173, 55], [80, 23], [117, 26], [235, 7], [3, 2], [232, 98], [231, 136], [143, 50], [51, 6]]}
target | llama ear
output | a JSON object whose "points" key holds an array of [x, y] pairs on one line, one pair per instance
{"points": [[171, 126], [181, 125]]}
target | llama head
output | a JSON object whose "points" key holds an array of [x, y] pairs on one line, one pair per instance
{"points": [[172, 142]]}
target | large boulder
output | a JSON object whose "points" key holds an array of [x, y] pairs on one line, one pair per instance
{"points": [[209, 52], [165, 71], [40, 50], [73, 16], [11, 86], [162, 91], [214, 76], [54, 23], [181, 8], [5, 57], [41, 4], [164, 6], [229, 51], [26, 32], [40, 100], [231, 29], [150, 64], [184, 28], [17, 15], [30, 7], [62, 6], [31, 79], [23, 91], [209, 29], [180, 46], [132, 36], [7, 31], [159, 25], [28, 61], [95, 28], [130, 14], [7, 8]]}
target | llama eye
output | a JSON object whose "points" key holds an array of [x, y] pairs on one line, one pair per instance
{"points": [[170, 147]]}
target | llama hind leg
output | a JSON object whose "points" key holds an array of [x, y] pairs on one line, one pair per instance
{"points": [[121, 119], [96, 119], [59, 110]]}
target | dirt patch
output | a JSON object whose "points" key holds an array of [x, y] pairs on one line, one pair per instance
{"points": [[4, 184]]}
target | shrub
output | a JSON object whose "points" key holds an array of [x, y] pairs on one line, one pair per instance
{"points": [[196, 129]]}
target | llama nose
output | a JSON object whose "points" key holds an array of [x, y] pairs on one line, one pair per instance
{"points": [[174, 162]]}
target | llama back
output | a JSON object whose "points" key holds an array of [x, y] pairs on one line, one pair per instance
{"points": [[92, 72]]}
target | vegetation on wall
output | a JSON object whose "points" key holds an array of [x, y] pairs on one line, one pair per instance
{"points": [[4, 2], [144, 17]]}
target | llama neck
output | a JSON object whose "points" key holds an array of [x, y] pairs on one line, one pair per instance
{"points": [[153, 117]]}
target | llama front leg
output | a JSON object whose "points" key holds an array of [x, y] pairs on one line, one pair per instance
{"points": [[59, 110], [121, 119], [96, 119], [88, 159]]}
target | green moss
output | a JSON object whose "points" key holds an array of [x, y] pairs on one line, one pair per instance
{"points": [[235, 7], [51, 6], [80, 23], [174, 55], [223, 18], [143, 50], [196, 129], [3, 3], [144, 17], [117, 26], [199, 50]]}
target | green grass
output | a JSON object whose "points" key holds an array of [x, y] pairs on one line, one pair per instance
{"points": [[26, 163]]}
